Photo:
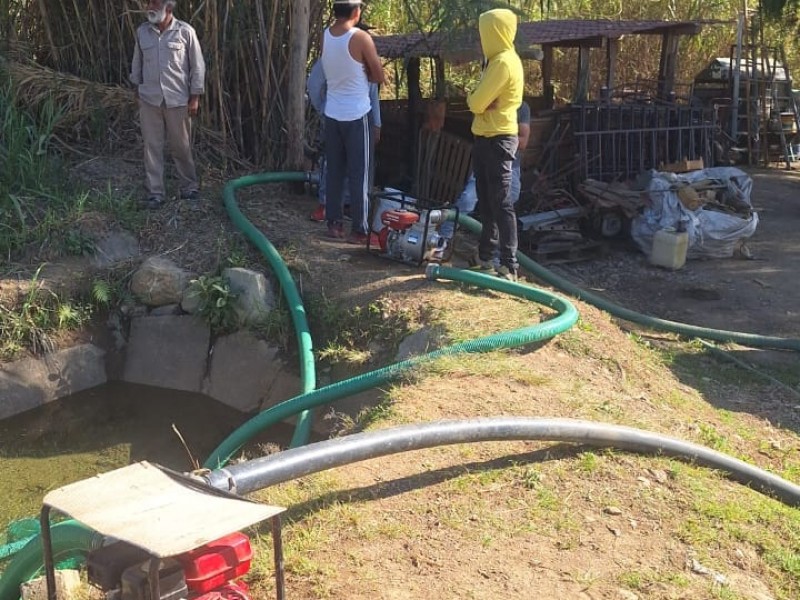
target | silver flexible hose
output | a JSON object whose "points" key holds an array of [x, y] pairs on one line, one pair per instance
{"points": [[264, 472]]}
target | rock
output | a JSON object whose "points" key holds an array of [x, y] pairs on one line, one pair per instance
{"points": [[242, 371], [167, 309], [159, 281], [254, 295], [420, 342], [659, 475], [113, 248], [68, 586], [626, 595], [191, 300], [612, 510]]}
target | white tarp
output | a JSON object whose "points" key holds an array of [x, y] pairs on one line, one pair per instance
{"points": [[712, 233]]}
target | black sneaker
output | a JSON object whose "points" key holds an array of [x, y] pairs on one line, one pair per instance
{"points": [[152, 203], [503, 272], [192, 199], [476, 263]]}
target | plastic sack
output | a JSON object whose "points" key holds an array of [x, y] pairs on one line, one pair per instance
{"points": [[711, 233]]}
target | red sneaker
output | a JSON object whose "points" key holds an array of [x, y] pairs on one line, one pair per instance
{"points": [[335, 231], [357, 239], [318, 214]]}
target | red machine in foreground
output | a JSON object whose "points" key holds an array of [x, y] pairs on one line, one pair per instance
{"points": [[209, 572], [159, 535]]}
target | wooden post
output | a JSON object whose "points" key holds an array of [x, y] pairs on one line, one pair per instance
{"points": [[295, 94], [612, 49], [414, 105], [440, 77], [668, 65], [547, 76], [582, 87]]}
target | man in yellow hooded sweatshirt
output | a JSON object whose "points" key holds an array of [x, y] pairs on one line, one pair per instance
{"points": [[494, 103]]}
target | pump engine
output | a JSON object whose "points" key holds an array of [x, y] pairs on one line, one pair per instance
{"points": [[406, 229], [210, 572]]}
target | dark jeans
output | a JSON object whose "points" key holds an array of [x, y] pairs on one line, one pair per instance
{"points": [[347, 149], [492, 160]]}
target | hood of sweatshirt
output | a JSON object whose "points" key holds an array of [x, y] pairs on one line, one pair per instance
{"points": [[498, 28]]}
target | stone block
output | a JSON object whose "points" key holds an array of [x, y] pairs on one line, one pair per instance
{"points": [[31, 382], [242, 371], [168, 351]]}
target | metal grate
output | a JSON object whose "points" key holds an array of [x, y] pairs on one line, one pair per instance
{"points": [[619, 141]]}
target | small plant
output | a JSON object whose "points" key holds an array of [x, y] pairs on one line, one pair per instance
{"points": [[216, 302], [79, 244], [101, 292]]}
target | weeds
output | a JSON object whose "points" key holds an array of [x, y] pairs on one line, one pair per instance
{"points": [[37, 202], [39, 316], [277, 325], [350, 330]]}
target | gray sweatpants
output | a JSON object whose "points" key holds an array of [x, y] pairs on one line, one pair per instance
{"points": [[160, 124], [347, 145]]}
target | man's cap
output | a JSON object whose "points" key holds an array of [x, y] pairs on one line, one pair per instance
{"points": [[347, 2]]}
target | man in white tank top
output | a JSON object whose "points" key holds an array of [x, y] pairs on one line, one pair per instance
{"points": [[350, 61]]}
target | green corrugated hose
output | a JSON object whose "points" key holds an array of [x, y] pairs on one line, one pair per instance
{"points": [[310, 397], [693, 331], [566, 318], [68, 538], [290, 292]]}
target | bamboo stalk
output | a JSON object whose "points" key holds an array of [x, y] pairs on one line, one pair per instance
{"points": [[46, 22]]}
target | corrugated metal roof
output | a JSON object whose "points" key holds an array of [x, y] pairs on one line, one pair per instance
{"points": [[465, 45]]}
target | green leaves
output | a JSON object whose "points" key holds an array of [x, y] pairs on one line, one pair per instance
{"points": [[216, 302]]}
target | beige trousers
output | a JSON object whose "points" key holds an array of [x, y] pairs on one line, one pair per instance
{"points": [[160, 124]]}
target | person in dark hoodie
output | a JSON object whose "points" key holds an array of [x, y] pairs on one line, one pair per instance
{"points": [[494, 104]]}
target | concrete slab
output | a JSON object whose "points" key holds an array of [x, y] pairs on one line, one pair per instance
{"points": [[31, 382], [167, 351], [242, 371]]}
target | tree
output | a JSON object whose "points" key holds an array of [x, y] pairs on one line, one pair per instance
{"points": [[295, 105]]}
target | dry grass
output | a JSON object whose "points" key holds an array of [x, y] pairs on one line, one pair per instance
{"points": [[501, 520]]}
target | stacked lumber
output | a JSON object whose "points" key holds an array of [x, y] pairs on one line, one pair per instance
{"points": [[612, 195]]}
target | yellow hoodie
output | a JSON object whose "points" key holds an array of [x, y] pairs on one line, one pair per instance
{"points": [[502, 79]]}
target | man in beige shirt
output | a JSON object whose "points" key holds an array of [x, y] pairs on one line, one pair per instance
{"points": [[168, 71]]}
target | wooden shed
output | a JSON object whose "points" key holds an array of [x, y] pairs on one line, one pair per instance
{"points": [[399, 155]]}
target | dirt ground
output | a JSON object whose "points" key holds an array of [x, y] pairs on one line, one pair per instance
{"points": [[400, 526], [537, 520], [755, 296]]}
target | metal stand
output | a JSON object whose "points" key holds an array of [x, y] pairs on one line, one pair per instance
{"points": [[109, 504]]}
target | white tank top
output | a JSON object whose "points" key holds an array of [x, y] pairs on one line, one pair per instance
{"points": [[347, 97]]}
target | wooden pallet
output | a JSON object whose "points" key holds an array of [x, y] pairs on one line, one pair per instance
{"points": [[557, 253]]}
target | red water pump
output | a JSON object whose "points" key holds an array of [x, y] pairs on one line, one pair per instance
{"points": [[209, 572], [409, 234]]}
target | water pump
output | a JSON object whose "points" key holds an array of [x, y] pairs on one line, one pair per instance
{"points": [[407, 233]]}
